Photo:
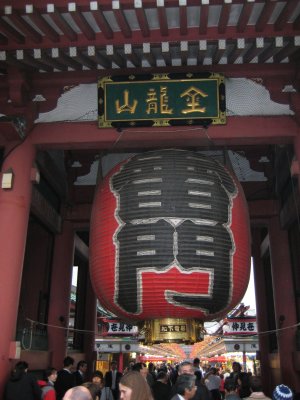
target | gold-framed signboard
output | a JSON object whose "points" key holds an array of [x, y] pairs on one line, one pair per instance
{"points": [[161, 100]]}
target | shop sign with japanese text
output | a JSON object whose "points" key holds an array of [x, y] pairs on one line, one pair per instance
{"points": [[240, 326], [120, 328], [161, 100]]}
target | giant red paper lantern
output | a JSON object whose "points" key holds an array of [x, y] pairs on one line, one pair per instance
{"points": [[170, 238]]}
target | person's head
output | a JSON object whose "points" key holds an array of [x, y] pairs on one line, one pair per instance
{"points": [[236, 367], [186, 386], [68, 362], [134, 387], [51, 374], [93, 389], [282, 392], [113, 365], [82, 366], [97, 377], [78, 393], [162, 376], [256, 384], [230, 386], [141, 368], [213, 370], [196, 362], [186, 368], [151, 367], [20, 369]]}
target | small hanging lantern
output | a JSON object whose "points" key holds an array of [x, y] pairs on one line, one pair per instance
{"points": [[170, 243]]}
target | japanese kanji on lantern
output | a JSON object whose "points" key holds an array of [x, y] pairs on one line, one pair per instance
{"points": [[170, 242]]}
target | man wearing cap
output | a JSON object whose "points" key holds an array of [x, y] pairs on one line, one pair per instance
{"points": [[282, 392]]}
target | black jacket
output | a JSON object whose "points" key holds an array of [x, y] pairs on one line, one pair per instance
{"points": [[65, 381], [24, 387], [161, 391]]}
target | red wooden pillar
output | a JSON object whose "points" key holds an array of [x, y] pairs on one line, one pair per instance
{"points": [[261, 310], [90, 326], [295, 167], [284, 302], [121, 362], [14, 214], [59, 306]]}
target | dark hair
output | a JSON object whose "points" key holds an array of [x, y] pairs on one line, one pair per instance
{"points": [[68, 361], [161, 375], [185, 381], [256, 384], [49, 371], [81, 363], [97, 373], [19, 370], [93, 389], [196, 360], [230, 385], [237, 364], [139, 386], [151, 366], [138, 366]]}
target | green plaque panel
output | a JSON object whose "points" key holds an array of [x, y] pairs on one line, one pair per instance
{"points": [[161, 100]]}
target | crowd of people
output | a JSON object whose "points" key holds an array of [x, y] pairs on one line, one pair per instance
{"points": [[185, 381]]}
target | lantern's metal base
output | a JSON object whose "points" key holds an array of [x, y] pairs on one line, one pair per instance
{"points": [[173, 330]]}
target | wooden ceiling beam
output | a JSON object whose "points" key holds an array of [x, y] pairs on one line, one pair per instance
{"points": [[131, 55], [239, 131], [184, 52], [7, 59], [20, 23], [58, 19], [80, 21], [114, 56], [244, 17], [263, 19], [219, 51], [274, 46], [254, 50], [62, 57], [102, 23], [148, 54], [284, 17], [143, 22], [26, 58], [288, 50], [201, 51], [82, 59], [94, 54], [162, 18], [224, 18], [236, 51], [33, 13], [165, 52], [12, 34], [52, 62], [204, 10], [183, 19], [121, 19]]}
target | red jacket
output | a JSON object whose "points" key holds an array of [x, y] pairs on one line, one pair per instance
{"points": [[48, 391]]}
